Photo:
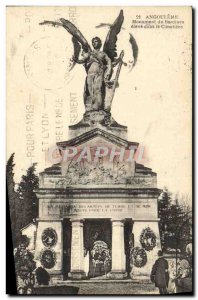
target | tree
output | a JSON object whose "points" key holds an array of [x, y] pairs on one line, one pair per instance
{"points": [[14, 201], [171, 215], [28, 184]]}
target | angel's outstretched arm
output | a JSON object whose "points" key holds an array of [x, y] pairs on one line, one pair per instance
{"points": [[83, 60]]}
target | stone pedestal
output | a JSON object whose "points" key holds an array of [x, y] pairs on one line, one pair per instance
{"points": [[118, 269], [98, 119], [77, 250], [115, 189]]}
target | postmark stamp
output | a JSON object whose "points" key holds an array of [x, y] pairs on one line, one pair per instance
{"points": [[48, 66]]}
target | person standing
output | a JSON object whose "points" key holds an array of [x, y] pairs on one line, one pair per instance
{"points": [[160, 274]]}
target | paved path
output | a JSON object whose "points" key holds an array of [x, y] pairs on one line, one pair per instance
{"points": [[90, 287], [121, 288]]}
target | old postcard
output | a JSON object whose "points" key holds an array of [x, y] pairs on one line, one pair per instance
{"points": [[99, 149]]}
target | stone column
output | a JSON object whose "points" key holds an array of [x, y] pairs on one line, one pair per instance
{"points": [[77, 250], [118, 269]]}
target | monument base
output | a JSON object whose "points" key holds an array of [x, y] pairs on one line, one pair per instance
{"points": [[56, 278], [77, 275], [98, 119], [118, 275]]}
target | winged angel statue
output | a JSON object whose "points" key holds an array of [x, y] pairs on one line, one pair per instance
{"points": [[99, 65]]}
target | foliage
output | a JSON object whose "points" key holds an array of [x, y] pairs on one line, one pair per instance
{"points": [[48, 258], [100, 253], [138, 257], [148, 239], [14, 202], [28, 184], [23, 203], [24, 264], [172, 215]]}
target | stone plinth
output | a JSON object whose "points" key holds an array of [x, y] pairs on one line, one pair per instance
{"points": [[98, 119]]}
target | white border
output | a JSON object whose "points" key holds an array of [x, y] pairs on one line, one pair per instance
{"points": [[4, 3]]}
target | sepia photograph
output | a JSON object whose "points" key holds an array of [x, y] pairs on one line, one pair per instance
{"points": [[99, 150]]}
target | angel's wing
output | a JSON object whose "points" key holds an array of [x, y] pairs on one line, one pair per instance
{"points": [[111, 39], [134, 48], [53, 23], [75, 32], [77, 49]]}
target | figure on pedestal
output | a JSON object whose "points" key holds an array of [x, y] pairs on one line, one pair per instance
{"points": [[99, 69], [99, 65]]}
